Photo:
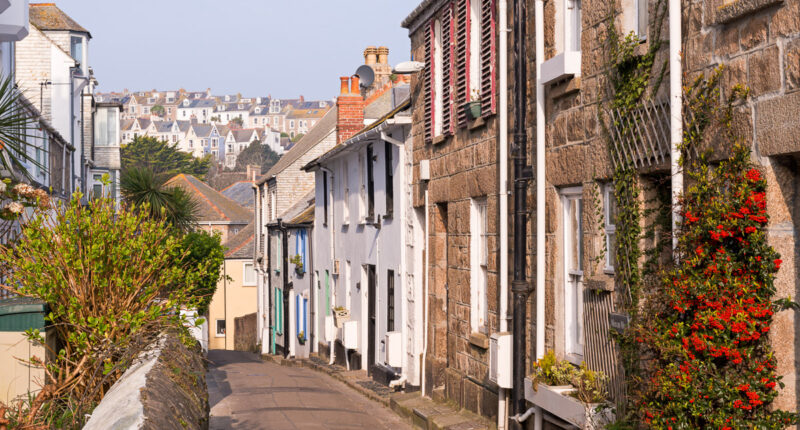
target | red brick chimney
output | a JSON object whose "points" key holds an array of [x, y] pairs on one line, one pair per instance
{"points": [[350, 110]]}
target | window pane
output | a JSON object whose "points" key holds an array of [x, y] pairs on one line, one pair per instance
{"points": [[611, 203], [76, 48], [611, 252], [575, 246]]}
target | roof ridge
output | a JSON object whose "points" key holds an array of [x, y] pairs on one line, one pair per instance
{"points": [[206, 198], [233, 251]]}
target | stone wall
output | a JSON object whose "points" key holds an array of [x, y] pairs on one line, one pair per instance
{"points": [[244, 333], [462, 167], [165, 388]]}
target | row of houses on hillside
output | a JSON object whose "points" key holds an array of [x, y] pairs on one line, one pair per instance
{"points": [[413, 266], [72, 143], [221, 142], [289, 116]]}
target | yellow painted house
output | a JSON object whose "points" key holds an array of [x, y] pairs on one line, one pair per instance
{"points": [[236, 294]]}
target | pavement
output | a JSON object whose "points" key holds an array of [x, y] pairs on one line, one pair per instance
{"points": [[246, 392]]}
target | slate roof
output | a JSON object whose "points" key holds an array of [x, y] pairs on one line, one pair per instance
{"points": [[242, 193], [163, 126], [243, 135], [202, 130], [126, 124], [213, 206], [183, 125], [198, 103], [324, 127], [242, 245], [47, 16]]}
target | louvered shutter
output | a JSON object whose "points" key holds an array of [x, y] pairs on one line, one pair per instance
{"points": [[428, 83], [461, 32], [488, 57], [447, 72]]}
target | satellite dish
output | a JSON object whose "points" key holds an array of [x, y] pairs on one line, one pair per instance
{"points": [[366, 75]]}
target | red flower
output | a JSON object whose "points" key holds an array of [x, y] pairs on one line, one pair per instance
{"points": [[754, 175], [777, 262]]}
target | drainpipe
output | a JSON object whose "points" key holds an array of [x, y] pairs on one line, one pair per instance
{"points": [[676, 113], [268, 287], [426, 299], [522, 176], [502, 13]]}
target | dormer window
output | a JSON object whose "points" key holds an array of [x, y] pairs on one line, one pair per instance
{"points": [[186, 103]]}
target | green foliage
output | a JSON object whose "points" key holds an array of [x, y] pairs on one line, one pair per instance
{"points": [[204, 256], [142, 189], [158, 110], [258, 155], [113, 279], [236, 122], [710, 361], [162, 158], [589, 385], [16, 128]]}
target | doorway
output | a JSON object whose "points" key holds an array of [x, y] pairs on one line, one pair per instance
{"points": [[371, 317]]}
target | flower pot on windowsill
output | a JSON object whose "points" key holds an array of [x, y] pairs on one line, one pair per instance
{"points": [[558, 401], [473, 110], [299, 271], [341, 316], [301, 338]]}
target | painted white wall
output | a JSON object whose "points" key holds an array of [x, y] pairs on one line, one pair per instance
{"points": [[390, 247]]}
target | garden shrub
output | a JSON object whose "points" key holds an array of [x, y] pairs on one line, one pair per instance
{"points": [[706, 338]]}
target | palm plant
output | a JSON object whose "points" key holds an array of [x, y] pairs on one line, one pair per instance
{"points": [[143, 189], [16, 125]]}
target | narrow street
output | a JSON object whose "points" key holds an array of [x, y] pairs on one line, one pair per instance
{"points": [[248, 393]]}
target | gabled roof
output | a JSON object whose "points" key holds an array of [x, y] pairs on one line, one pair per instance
{"points": [[198, 103], [243, 135], [324, 127], [242, 245], [202, 130], [47, 16], [126, 124], [241, 192], [212, 205]]}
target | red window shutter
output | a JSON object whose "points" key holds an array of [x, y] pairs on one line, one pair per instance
{"points": [[447, 66], [488, 57], [428, 83], [462, 59]]}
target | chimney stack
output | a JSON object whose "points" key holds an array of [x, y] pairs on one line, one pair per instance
{"points": [[252, 172], [349, 110], [370, 55]]}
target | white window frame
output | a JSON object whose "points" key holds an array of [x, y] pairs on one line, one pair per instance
{"points": [[252, 271], [642, 18], [438, 80], [345, 195], [479, 266], [216, 327], [476, 18], [573, 300], [610, 226], [568, 26]]}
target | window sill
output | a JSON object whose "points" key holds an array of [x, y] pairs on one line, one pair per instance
{"points": [[476, 124], [564, 88], [439, 139], [596, 284], [479, 340], [721, 13], [562, 66], [249, 285], [219, 335]]}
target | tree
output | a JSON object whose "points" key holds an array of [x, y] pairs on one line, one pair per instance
{"points": [[143, 189], [236, 122], [257, 154], [297, 137], [157, 110], [15, 129], [215, 118], [113, 281], [161, 158], [204, 254]]}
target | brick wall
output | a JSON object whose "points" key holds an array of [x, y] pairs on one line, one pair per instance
{"points": [[293, 183]]}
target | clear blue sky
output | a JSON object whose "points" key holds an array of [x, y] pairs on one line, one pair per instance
{"points": [[256, 47]]}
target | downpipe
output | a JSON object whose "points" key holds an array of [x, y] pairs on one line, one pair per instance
{"points": [[502, 13], [522, 176], [676, 114]]}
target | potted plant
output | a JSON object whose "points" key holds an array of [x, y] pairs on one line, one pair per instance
{"points": [[340, 316], [297, 260], [301, 337], [473, 106], [574, 394]]}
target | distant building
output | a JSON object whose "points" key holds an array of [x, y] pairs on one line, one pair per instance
{"points": [[215, 212]]}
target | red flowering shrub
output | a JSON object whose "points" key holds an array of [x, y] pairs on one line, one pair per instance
{"points": [[709, 362]]}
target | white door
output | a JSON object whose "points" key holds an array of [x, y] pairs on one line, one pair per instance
{"points": [[572, 202]]}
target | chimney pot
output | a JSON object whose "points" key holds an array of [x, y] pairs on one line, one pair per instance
{"points": [[370, 55], [383, 55], [354, 81], [345, 83]]}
